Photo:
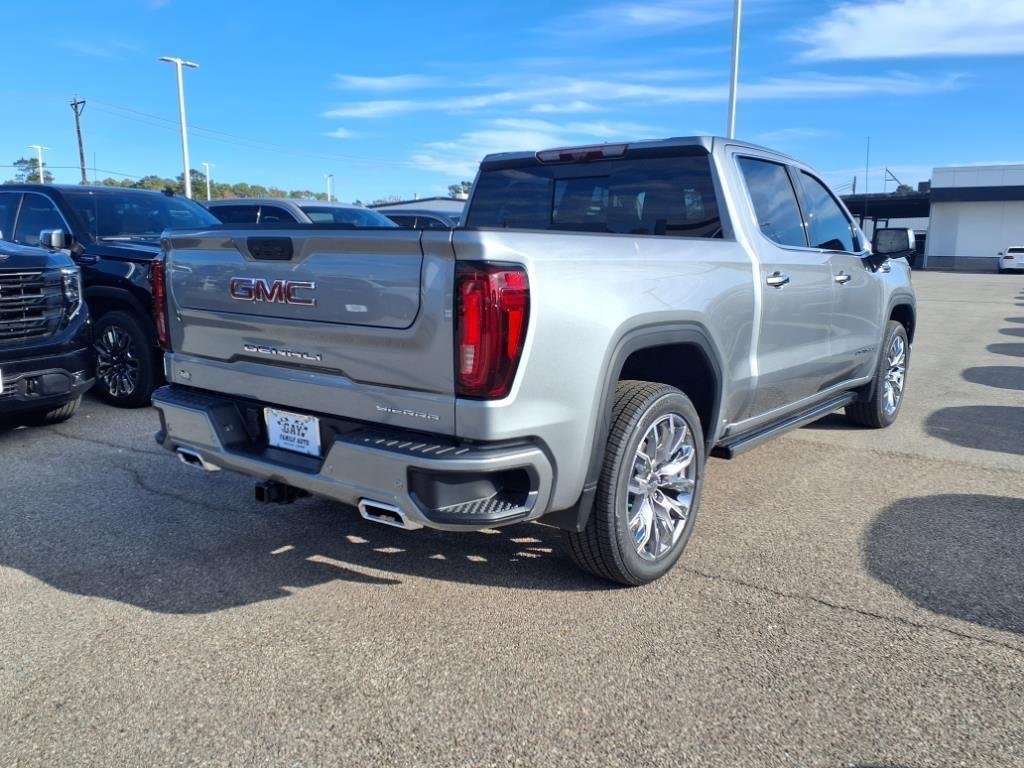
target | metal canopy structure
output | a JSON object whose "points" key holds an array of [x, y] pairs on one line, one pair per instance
{"points": [[912, 205]]}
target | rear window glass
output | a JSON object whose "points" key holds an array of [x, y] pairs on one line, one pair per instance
{"points": [[351, 217], [1015, 250], [236, 214], [671, 196]]}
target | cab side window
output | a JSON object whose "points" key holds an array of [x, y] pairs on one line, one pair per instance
{"points": [[8, 210], [828, 227], [37, 213], [774, 199]]}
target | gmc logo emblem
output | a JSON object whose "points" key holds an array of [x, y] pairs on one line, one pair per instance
{"points": [[274, 291]]}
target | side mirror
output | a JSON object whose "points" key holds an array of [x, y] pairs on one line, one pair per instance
{"points": [[893, 242], [54, 239]]}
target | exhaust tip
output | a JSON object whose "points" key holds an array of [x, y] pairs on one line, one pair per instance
{"points": [[386, 514], [193, 459]]}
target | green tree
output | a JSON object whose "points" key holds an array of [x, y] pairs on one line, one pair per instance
{"points": [[26, 169], [904, 189], [461, 189]]}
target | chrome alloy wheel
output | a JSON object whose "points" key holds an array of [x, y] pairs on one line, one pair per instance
{"points": [[116, 363], [661, 486], [896, 362]]}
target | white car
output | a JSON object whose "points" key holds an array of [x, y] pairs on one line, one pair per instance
{"points": [[1011, 258]]}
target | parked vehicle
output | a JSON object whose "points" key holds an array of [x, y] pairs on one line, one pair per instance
{"points": [[113, 234], [422, 219], [273, 210], [606, 318], [1011, 258], [45, 335]]}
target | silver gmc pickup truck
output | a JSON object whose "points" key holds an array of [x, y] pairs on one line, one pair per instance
{"points": [[605, 319]]}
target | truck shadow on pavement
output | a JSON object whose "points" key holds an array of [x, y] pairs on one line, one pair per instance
{"points": [[1000, 376], [998, 428], [1010, 349], [958, 555], [177, 544], [1012, 331]]}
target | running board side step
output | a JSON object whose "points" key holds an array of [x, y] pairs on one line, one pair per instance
{"points": [[730, 450]]}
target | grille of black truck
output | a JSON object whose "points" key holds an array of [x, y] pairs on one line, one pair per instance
{"points": [[31, 304]]}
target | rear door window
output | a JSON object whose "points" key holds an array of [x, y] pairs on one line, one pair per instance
{"points": [[828, 227], [774, 200], [37, 213], [668, 196], [8, 210], [236, 214]]}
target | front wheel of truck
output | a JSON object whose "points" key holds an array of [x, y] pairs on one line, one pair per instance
{"points": [[649, 489]]}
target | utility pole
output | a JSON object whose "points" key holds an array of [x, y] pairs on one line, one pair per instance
{"points": [[737, 13], [179, 63], [330, 179], [78, 107], [39, 153], [207, 167]]}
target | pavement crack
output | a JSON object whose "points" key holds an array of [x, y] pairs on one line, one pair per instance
{"points": [[849, 609], [108, 443]]}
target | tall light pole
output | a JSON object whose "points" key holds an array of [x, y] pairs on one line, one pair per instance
{"points": [[179, 63], [39, 153], [330, 179], [737, 14], [206, 168]]}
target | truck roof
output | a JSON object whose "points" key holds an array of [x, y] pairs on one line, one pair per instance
{"points": [[97, 188], [707, 141]]}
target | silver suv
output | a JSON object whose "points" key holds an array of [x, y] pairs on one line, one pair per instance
{"points": [[605, 319]]}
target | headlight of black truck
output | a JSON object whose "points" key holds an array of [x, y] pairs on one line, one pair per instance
{"points": [[72, 285]]}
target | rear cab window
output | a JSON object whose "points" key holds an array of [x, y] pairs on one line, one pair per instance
{"points": [[774, 200], [639, 194], [8, 210], [236, 214]]}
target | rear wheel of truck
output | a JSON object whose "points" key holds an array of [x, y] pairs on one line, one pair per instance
{"points": [[882, 408], [125, 360], [649, 489]]}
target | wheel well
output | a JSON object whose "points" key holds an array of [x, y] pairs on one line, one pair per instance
{"points": [[904, 315], [683, 366]]}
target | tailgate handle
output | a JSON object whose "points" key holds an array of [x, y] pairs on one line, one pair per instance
{"points": [[270, 248]]}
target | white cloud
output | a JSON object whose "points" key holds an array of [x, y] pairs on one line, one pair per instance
{"points": [[461, 156], [639, 18], [908, 28], [564, 108], [583, 94], [387, 83], [789, 135], [374, 109], [341, 133]]}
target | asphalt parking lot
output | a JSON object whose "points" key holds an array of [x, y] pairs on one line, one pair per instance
{"points": [[849, 598]]}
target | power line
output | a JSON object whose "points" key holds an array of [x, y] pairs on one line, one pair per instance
{"points": [[230, 138]]}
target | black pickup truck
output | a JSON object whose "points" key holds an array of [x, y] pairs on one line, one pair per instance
{"points": [[46, 360], [113, 234]]}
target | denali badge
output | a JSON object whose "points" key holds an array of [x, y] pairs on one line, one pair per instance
{"points": [[274, 291], [291, 354]]}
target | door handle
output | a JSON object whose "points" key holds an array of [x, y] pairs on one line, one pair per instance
{"points": [[87, 258], [842, 278], [777, 279]]}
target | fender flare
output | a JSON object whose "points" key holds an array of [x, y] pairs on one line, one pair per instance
{"points": [[575, 517], [125, 298]]}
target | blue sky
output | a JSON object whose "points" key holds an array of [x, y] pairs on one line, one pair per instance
{"points": [[406, 97]]}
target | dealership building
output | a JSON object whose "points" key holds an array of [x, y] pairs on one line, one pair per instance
{"points": [[965, 218]]}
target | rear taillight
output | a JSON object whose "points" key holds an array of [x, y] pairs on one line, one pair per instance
{"points": [[156, 279], [492, 309]]}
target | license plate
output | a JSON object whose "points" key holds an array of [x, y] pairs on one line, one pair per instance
{"points": [[293, 431]]}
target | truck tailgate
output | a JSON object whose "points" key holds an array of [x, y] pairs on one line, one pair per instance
{"points": [[356, 324]]}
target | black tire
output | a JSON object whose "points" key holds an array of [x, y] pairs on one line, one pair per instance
{"points": [[55, 415], [110, 385], [871, 412], [606, 547]]}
